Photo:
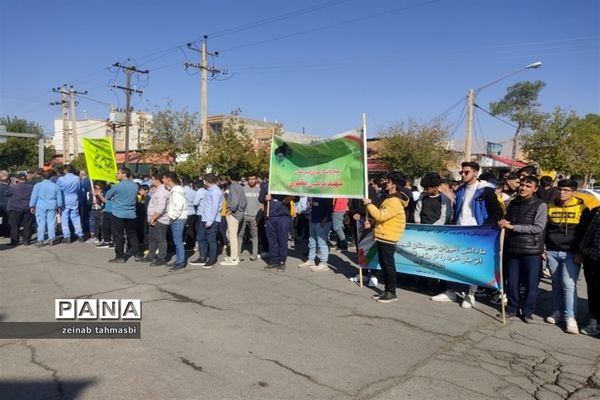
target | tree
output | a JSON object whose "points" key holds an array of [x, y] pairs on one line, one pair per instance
{"points": [[172, 132], [21, 153], [231, 149], [566, 143], [521, 106], [415, 150]]}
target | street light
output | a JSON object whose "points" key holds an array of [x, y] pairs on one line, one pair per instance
{"points": [[471, 103]]}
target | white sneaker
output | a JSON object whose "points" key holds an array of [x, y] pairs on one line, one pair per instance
{"points": [[554, 318], [230, 261], [447, 296], [468, 302], [321, 267], [572, 326], [373, 281], [592, 329], [307, 264], [496, 299]]}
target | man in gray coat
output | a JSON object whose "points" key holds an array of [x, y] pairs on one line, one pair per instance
{"points": [[236, 204]]}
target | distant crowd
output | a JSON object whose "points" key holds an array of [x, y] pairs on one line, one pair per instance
{"points": [[552, 226]]}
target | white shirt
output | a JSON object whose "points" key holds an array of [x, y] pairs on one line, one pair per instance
{"points": [[466, 216]]}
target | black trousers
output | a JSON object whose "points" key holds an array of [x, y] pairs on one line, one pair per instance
{"points": [[18, 219], [385, 252], [591, 272], [107, 227], [190, 233], [122, 227]]}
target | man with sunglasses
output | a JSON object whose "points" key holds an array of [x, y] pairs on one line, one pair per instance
{"points": [[476, 204]]}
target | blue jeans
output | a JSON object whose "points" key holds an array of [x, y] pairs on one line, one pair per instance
{"points": [[564, 281], [207, 240], [337, 218], [318, 237], [71, 213], [45, 218], [523, 270], [177, 228]]}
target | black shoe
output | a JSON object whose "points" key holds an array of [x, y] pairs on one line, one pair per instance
{"points": [[376, 296], [209, 264], [177, 267], [157, 263], [199, 261], [102, 245], [138, 258], [117, 260], [41, 244], [147, 259], [272, 266], [387, 297], [81, 239], [66, 240], [13, 243], [111, 245], [528, 319], [281, 267]]}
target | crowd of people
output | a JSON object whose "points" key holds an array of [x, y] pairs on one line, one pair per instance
{"points": [[549, 223]]}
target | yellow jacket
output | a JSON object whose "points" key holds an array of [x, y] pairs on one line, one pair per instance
{"points": [[390, 219]]}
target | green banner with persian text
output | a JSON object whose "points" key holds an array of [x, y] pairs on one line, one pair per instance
{"points": [[100, 159], [332, 167]]}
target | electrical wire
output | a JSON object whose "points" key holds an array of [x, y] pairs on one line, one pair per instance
{"points": [[322, 28], [461, 118]]}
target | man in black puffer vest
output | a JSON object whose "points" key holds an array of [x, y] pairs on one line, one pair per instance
{"points": [[525, 223]]}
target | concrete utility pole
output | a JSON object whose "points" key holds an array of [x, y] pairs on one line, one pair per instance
{"points": [[68, 99], [129, 71], [204, 69], [469, 133]]}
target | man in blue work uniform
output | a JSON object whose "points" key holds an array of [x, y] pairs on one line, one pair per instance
{"points": [[46, 198], [70, 185]]}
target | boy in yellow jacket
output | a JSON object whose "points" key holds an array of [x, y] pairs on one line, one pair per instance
{"points": [[390, 222]]}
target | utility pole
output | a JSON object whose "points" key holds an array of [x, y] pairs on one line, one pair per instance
{"points": [[469, 132], [204, 69], [129, 71], [515, 145], [68, 99]]}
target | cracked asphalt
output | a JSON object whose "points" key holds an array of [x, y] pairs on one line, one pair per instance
{"points": [[247, 333]]}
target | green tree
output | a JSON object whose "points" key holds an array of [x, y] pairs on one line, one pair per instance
{"points": [[416, 149], [232, 148], [520, 106], [566, 143], [172, 132], [21, 153]]}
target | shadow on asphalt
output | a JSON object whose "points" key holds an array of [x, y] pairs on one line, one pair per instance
{"points": [[43, 389]]}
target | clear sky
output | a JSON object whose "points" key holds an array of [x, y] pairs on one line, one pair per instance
{"points": [[312, 65]]}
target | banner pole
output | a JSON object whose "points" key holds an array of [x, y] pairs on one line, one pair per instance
{"points": [[366, 184], [501, 263], [270, 169]]}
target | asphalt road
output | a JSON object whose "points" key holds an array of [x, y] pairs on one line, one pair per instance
{"points": [[247, 333]]}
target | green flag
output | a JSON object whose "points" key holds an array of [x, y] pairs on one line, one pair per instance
{"points": [[326, 168], [100, 159]]}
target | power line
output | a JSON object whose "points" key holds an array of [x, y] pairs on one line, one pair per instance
{"points": [[494, 116], [322, 28]]}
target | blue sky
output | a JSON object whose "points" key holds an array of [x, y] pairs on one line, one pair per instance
{"points": [[312, 65]]}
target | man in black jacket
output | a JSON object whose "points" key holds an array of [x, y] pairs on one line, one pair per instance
{"points": [[525, 222], [19, 214]]}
